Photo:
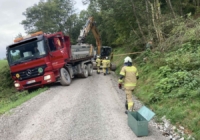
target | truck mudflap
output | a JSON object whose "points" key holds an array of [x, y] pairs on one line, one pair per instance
{"points": [[47, 78]]}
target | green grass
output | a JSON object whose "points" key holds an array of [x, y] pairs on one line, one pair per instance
{"points": [[3, 63], [17, 99]]}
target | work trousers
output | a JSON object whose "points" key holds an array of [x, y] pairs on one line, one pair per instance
{"points": [[98, 68], [129, 98], [108, 70], [104, 70]]}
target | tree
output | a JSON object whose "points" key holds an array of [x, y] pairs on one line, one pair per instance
{"points": [[50, 16]]}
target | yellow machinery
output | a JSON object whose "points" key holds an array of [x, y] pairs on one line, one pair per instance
{"points": [[102, 51]]}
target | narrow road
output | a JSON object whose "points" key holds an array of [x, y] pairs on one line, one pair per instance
{"points": [[88, 109]]}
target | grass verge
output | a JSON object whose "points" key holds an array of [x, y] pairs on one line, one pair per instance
{"points": [[17, 99], [3, 63]]}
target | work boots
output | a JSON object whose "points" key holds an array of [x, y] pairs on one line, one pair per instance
{"points": [[130, 110]]}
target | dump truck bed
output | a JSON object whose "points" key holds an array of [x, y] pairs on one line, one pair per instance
{"points": [[81, 52]]}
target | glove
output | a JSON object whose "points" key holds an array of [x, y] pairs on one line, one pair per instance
{"points": [[120, 86]]}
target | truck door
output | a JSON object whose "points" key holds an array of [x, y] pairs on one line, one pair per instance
{"points": [[56, 55], [61, 44]]}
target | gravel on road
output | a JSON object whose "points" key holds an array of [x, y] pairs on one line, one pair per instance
{"points": [[89, 109]]}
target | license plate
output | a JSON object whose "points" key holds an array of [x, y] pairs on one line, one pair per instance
{"points": [[30, 82]]}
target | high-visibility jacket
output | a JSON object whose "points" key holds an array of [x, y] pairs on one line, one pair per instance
{"points": [[130, 74], [98, 61], [104, 63], [108, 63]]}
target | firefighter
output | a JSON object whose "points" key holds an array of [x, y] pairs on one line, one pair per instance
{"points": [[148, 49], [128, 76], [104, 65], [108, 66], [149, 45], [98, 62]]}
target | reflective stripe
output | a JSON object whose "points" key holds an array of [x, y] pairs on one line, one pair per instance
{"points": [[129, 69], [120, 81], [98, 61], [129, 84], [122, 73], [130, 105]]}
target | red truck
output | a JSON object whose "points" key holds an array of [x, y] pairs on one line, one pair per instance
{"points": [[39, 59]]}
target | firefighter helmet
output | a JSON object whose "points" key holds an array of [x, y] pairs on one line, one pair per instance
{"points": [[127, 59]]}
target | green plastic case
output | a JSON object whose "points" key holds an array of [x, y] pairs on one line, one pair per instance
{"points": [[138, 121]]}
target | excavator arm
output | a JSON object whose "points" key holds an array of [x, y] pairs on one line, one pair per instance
{"points": [[90, 25], [103, 51]]}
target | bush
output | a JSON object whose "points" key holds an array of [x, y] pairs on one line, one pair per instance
{"points": [[175, 80], [5, 78]]}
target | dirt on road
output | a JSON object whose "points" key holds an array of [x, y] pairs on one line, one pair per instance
{"points": [[88, 109]]}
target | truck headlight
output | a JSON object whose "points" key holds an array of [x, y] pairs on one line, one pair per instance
{"points": [[47, 77], [17, 85]]}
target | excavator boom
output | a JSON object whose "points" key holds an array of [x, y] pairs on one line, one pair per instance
{"points": [[102, 51], [90, 25]]}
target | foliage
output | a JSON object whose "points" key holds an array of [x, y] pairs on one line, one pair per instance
{"points": [[3, 63], [173, 88], [181, 79], [6, 80], [50, 16]]}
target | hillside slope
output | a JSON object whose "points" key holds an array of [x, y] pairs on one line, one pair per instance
{"points": [[169, 84]]}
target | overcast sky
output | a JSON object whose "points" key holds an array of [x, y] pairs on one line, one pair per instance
{"points": [[11, 16]]}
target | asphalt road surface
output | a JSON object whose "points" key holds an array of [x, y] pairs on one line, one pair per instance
{"points": [[88, 109]]}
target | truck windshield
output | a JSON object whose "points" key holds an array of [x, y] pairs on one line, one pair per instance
{"points": [[25, 52]]}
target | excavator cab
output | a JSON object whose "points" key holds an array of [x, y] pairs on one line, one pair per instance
{"points": [[106, 51]]}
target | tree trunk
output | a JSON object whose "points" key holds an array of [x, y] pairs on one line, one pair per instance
{"points": [[170, 6], [181, 8], [155, 9], [147, 11], [138, 23], [158, 9], [159, 20], [153, 19], [156, 15]]}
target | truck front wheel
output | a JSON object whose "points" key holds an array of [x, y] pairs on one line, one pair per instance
{"points": [[65, 78]]}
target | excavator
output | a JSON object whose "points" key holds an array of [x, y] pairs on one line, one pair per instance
{"points": [[102, 51]]}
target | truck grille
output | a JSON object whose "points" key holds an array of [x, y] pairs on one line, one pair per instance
{"points": [[30, 73]]}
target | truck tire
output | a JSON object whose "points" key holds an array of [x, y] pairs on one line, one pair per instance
{"points": [[85, 71], [65, 78], [90, 69]]}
